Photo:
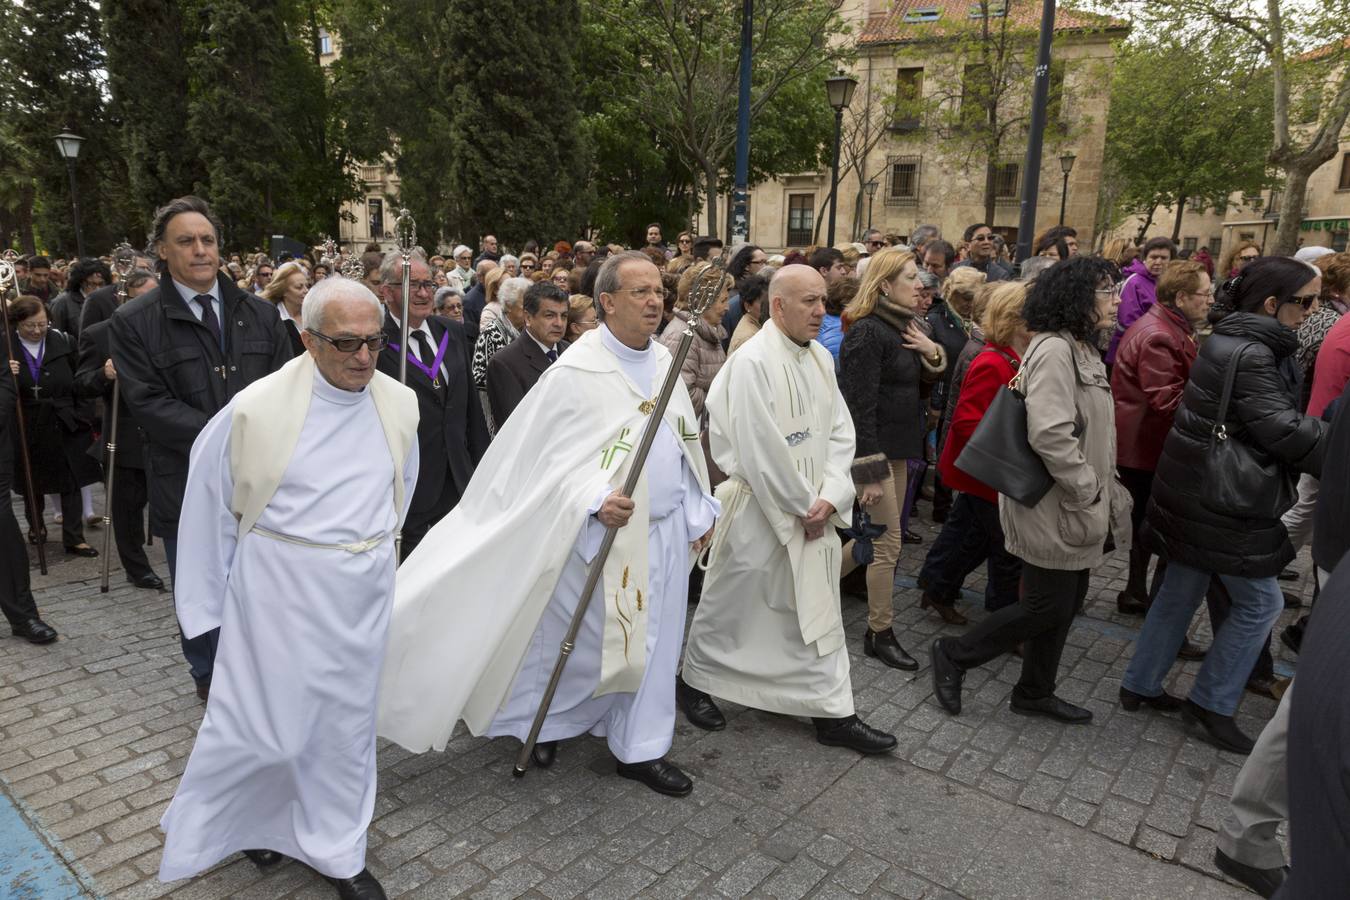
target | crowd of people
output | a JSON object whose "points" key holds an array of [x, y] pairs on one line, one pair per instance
{"points": [[1183, 412]]}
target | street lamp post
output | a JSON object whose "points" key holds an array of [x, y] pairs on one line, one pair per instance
{"points": [[1066, 163], [839, 89], [871, 189], [68, 145]]}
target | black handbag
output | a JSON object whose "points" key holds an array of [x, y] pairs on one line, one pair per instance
{"points": [[999, 454], [1233, 482]]}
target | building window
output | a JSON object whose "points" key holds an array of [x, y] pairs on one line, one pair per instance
{"points": [[325, 42], [902, 187], [1246, 235], [1190, 244], [1215, 245], [1054, 111], [375, 215], [1007, 181], [908, 98], [920, 14], [995, 9], [801, 219], [1344, 183]]}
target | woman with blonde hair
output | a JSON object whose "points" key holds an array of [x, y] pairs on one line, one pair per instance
{"points": [[884, 358], [492, 306], [580, 317], [1120, 252], [287, 289], [1238, 256], [706, 353], [972, 533]]}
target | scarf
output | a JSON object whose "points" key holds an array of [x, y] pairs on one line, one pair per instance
{"points": [[893, 314]]}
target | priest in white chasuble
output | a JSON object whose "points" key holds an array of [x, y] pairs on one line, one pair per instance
{"points": [[484, 602], [295, 492], [768, 632]]}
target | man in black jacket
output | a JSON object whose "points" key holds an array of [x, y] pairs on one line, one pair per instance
{"points": [[182, 351], [86, 277], [16, 592], [451, 433], [513, 371], [102, 303], [95, 378]]}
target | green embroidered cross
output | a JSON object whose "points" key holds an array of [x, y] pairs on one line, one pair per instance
{"points": [[621, 444]]}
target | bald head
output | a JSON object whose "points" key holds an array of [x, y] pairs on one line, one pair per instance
{"points": [[797, 302]]}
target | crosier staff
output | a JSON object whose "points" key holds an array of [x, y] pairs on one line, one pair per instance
{"points": [[8, 278], [124, 260], [405, 229], [704, 291]]}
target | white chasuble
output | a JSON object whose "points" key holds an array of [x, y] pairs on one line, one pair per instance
{"points": [[484, 601], [768, 632], [285, 756]]}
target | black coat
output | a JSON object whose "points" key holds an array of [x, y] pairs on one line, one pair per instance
{"points": [[1331, 516], [95, 350], [293, 334], [512, 372], [175, 376], [65, 312], [98, 306], [1264, 416], [880, 380], [57, 423], [451, 432]]}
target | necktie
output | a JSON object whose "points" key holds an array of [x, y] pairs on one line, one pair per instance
{"points": [[209, 317], [552, 355], [424, 353]]}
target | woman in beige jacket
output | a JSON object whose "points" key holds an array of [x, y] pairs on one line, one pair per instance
{"points": [[1071, 427]]}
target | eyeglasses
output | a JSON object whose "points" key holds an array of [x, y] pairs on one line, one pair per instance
{"points": [[415, 285], [642, 293], [875, 243], [1304, 300], [374, 344], [527, 267], [1113, 290], [685, 241], [1248, 257], [982, 237], [34, 326]]}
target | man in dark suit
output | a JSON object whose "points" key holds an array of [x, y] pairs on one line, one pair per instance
{"points": [[512, 372], [95, 378], [452, 433], [182, 351]]}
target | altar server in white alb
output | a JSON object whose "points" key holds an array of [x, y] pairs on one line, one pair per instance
{"points": [[768, 632], [295, 492], [483, 603]]}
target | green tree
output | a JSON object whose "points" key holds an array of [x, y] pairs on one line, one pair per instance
{"points": [[1188, 125]]}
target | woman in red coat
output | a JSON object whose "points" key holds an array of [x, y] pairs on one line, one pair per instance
{"points": [[1153, 363], [972, 533]]}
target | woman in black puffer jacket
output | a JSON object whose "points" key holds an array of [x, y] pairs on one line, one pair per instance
{"points": [[1243, 543]]}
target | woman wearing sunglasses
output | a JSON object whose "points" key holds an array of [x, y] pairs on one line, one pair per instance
{"points": [[1221, 485]]}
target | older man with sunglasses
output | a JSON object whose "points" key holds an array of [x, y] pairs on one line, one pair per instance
{"points": [[295, 493]]}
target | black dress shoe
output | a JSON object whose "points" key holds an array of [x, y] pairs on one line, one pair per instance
{"points": [[853, 733], [883, 646], [1190, 651], [1288, 575], [82, 550], [698, 707], [34, 631], [150, 582], [947, 678], [264, 858], [1221, 731], [1292, 636], [909, 537], [544, 753], [1164, 702], [1263, 881], [658, 775], [363, 886], [1052, 708], [1128, 604]]}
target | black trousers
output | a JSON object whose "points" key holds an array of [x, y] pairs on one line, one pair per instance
{"points": [[971, 535], [72, 516], [16, 592], [128, 519], [1139, 482], [415, 527], [1039, 622]]}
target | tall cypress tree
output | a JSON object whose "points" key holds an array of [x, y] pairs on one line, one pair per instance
{"points": [[519, 164]]}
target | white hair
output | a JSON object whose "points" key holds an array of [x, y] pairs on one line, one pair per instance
{"points": [[460, 248], [508, 258], [324, 292], [391, 267], [511, 292]]}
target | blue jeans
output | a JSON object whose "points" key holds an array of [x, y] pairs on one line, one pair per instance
{"points": [[200, 652], [1257, 603]]}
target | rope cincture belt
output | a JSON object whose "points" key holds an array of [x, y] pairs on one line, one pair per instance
{"points": [[358, 547]]}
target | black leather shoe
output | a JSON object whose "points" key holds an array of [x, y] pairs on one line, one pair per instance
{"points": [[34, 631], [82, 550], [1287, 575], [1164, 702], [1221, 731], [150, 582], [1263, 881], [544, 753], [1292, 636], [947, 678], [853, 733], [698, 707], [910, 537], [1128, 604], [883, 646], [264, 858], [1190, 651], [361, 887], [658, 775], [1052, 708]]}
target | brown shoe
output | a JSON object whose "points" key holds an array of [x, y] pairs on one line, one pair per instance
{"points": [[946, 611]]}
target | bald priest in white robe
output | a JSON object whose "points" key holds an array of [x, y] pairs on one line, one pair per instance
{"points": [[483, 603], [295, 492], [768, 632]]}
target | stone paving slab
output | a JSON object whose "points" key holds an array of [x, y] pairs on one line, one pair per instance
{"points": [[95, 731]]}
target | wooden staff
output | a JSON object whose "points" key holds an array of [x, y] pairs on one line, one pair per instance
{"points": [[124, 259], [7, 278], [702, 295]]}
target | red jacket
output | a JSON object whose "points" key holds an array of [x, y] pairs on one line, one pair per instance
{"points": [[1152, 365], [1332, 370], [988, 372]]}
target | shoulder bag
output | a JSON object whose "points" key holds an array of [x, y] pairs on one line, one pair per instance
{"points": [[998, 452]]}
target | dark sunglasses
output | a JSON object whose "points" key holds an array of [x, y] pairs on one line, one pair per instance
{"points": [[1304, 300], [352, 344]]}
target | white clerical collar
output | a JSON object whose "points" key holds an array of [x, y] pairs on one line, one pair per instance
{"points": [[622, 350], [546, 350], [325, 390], [787, 343], [188, 294]]}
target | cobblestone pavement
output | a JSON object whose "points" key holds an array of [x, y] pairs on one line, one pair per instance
{"points": [[96, 730]]}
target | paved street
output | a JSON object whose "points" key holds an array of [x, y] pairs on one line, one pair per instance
{"points": [[95, 730]]}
